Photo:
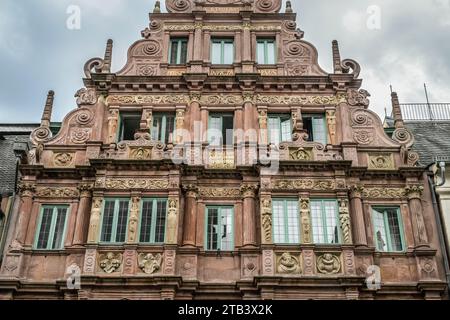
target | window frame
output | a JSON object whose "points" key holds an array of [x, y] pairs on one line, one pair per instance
{"points": [[51, 236], [387, 229], [219, 242], [221, 115], [286, 221], [280, 136], [179, 41], [222, 42], [164, 121], [122, 115], [153, 222], [324, 221], [265, 42], [115, 221], [324, 123]]}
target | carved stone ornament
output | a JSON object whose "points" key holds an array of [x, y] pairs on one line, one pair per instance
{"points": [[94, 222], [133, 219], [86, 96], [288, 263], [211, 192], [172, 221], [63, 159], [384, 193], [110, 262], [304, 184], [358, 98], [179, 6], [130, 183], [300, 154], [381, 161], [344, 218], [150, 263], [58, 192], [305, 216], [26, 189], [266, 219], [328, 264]]}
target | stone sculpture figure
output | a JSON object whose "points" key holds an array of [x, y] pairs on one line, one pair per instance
{"points": [[150, 263]]}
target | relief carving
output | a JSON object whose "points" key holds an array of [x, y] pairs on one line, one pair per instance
{"points": [[133, 220], [129, 183], [381, 161], [305, 216], [358, 98], [266, 220], [344, 218], [328, 264], [206, 192], [172, 221], [300, 154], [331, 123], [304, 184], [150, 263], [113, 120], [86, 96], [63, 159], [57, 193], [110, 262], [94, 224], [288, 263]]}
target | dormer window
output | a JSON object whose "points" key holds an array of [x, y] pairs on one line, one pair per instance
{"points": [[222, 51], [266, 52], [178, 51]]}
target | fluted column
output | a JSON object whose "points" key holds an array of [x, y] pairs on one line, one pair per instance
{"points": [[27, 190], [414, 194], [357, 216], [195, 118], [190, 214], [82, 213], [249, 214], [94, 223]]}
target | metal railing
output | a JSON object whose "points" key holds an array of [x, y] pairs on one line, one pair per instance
{"points": [[425, 111]]}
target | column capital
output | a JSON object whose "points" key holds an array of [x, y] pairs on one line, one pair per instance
{"points": [[414, 192], [26, 188], [191, 190], [356, 191], [248, 190], [85, 189]]}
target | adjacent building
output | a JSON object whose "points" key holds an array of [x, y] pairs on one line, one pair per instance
{"points": [[223, 162]]}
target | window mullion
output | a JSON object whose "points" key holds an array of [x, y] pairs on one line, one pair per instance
{"points": [[220, 223], [387, 230], [163, 129], [115, 221], [266, 53], [324, 221], [179, 51], [153, 222], [286, 222], [222, 49]]}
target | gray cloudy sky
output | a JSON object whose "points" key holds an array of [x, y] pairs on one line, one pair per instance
{"points": [[38, 52]]}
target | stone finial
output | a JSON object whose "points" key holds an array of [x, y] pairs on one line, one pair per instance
{"points": [[47, 114], [336, 57], [397, 111], [157, 8], [108, 56], [289, 7]]}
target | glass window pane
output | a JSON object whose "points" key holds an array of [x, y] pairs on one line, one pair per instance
{"points": [[108, 218], [293, 222], [183, 55], [227, 229], [394, 230], [146, 221], [215, 130], [213, 229], [156, 128], [59, 228], [271, 52], [274, 130], [317, 222], [161, 207], [173, 52], [122, 221], [170, 123], [228, 53], [44, 232], [380, 231], [279, 233], [286, 130], [330, 209], [319, 131], [260, 53], [216, 52]]}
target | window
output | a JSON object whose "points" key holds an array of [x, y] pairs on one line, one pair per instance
{"points": [[52, 227], [115, 221], [153, 220], [129, 125], [325, 222], [163, 127], [387, 227], [280, 128], [222, 51], [178, 51], [315, 127], [286, 229], [220, 130], [265, 51], [219, 228]]}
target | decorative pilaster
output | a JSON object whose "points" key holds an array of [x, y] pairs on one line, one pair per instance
{"points": [[266, 219], [94, 224], [147, 119], [344, 218], [133, 220], [190, 214], [179, 125], [305, 217], [248, 192], [172, 221], [414, 194], [357, 216], [82, 213], [262, 119], [331, 123], [113, 123], [26, 190]]}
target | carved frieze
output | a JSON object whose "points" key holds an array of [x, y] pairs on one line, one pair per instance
{"points": [[150, 263], [214, 192], [55, 192], [304, 184], [132, 183], [288, 264], [110, 262], [383, 193], [328, 263]]}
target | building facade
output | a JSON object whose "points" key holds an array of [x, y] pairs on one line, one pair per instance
{"points": [[223, 162]]}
